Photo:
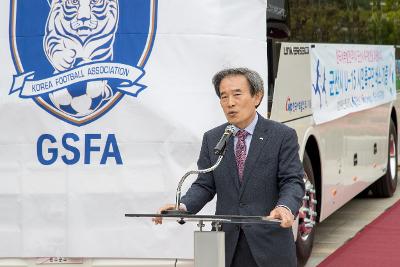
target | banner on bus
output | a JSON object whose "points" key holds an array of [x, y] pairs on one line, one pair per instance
{"points": [[350, 78], [103, 107]]}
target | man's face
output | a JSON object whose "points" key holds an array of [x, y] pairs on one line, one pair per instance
{"points": [[238, 104]]}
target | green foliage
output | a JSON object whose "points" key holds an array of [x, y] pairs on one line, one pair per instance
{"points": [[345, 21]]}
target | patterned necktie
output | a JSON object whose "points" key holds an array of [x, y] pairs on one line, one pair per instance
{"points": [[240, 151]]}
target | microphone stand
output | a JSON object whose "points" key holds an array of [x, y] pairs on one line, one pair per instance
{"points": [[178, 189], [218, 150]]}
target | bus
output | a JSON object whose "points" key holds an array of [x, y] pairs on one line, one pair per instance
{"points": [[343, 156]]}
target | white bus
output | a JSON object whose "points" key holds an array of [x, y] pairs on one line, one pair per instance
{"points": [[322, 60], [327, 78]]}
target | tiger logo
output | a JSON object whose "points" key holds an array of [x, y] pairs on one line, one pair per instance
{"points": [[76, 59], [79, 32]]}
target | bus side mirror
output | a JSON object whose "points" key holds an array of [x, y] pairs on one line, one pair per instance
{"points": [[278, 19]]}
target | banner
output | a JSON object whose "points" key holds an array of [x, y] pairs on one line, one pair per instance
{"points": [[87, 73], [103, 107], [350, 78]]}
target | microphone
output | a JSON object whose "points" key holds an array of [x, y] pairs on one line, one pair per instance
{"points": [[219, 149]]}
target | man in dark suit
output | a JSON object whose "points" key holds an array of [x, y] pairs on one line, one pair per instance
{"points": [[261, 174]]}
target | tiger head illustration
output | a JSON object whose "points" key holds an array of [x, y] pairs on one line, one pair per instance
{"points": [[80, 31]]}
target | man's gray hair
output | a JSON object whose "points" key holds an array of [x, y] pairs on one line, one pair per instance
{"points": [[253, 78]]}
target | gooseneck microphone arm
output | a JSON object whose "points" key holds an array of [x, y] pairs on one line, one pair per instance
{"points": [[218, 150], [178, 189]]}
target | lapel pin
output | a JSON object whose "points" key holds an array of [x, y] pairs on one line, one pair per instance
{"points": [[261, 138]]}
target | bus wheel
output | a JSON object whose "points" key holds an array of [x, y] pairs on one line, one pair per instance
{"points": [[386, 185], [307, 215]]}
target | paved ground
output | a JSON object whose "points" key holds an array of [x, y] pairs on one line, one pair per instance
{"points": [[345, 223]]}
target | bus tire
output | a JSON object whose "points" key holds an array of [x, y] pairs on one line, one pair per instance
{"points": [[386, 185], [307, 215]]}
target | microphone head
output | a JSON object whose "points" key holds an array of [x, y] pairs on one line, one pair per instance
{"points": [[230, 129], [219, 149]]}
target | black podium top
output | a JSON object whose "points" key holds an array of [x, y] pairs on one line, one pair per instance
{"points": [[221, 218]]}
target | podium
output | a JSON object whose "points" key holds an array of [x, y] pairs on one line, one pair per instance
{"points": [[209, 246]]}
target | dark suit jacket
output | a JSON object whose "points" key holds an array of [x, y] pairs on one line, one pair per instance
{"points": [[273, 175]]}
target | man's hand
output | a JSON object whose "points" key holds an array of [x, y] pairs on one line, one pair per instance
{"points": [[158, 220], [283, 214]]}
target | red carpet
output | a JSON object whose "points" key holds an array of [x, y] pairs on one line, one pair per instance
{"points": [[378, 244]]}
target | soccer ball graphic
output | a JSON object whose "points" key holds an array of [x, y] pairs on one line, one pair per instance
{"points": [[81, 99]]}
